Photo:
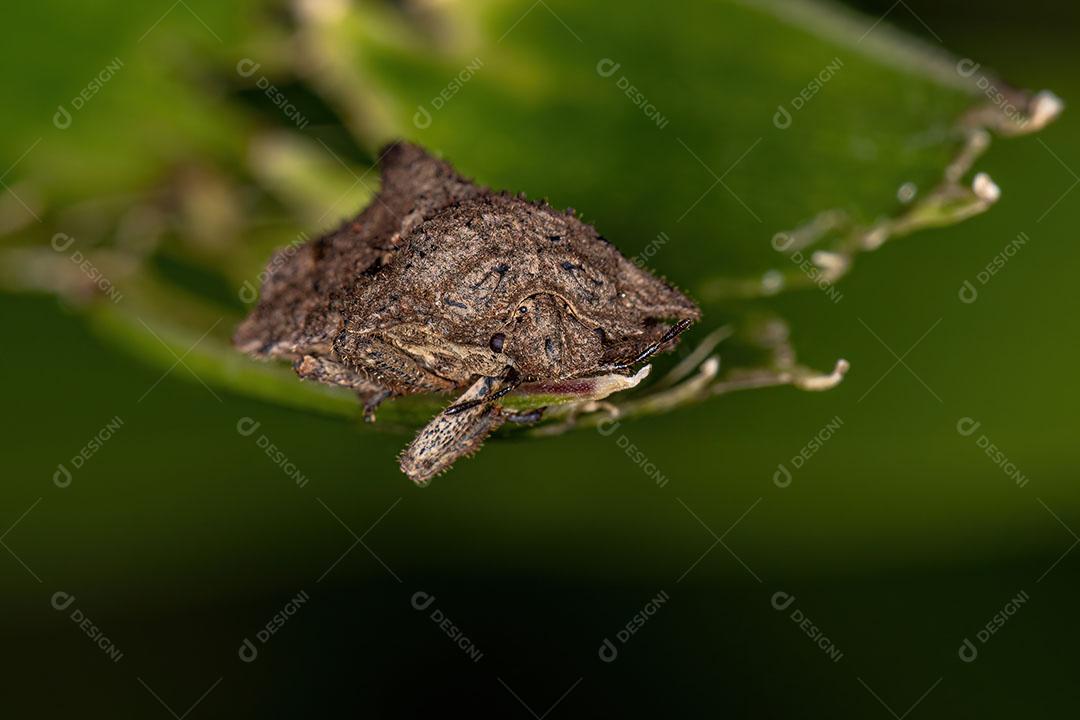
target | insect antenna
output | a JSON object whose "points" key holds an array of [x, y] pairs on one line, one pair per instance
{"points": [[673, 332]]}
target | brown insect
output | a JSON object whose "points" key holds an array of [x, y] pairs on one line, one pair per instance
{"points": [[443, 286]]}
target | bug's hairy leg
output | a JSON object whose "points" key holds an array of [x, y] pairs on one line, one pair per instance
{"points": [[372, 401], [388, 366], [450, 436], [327, 370]]}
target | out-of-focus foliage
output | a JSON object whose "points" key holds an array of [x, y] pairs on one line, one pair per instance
{"points": [[734, 173], [181, 174]]}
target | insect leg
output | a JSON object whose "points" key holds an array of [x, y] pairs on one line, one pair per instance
{"points": [[372, 402], [450, 436], [387, 366]]}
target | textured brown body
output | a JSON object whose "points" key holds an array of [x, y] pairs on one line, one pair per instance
{"points": [[441, 285]]}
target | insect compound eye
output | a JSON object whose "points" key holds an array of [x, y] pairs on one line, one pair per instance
{"points": [[496, 342]]}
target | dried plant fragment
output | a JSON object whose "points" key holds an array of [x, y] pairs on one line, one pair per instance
{"points": [[823, 250]]}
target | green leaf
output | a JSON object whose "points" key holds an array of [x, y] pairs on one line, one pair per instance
{"points": [[735, 173]]}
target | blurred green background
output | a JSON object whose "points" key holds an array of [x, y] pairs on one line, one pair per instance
{"points": [[180, 538]]}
